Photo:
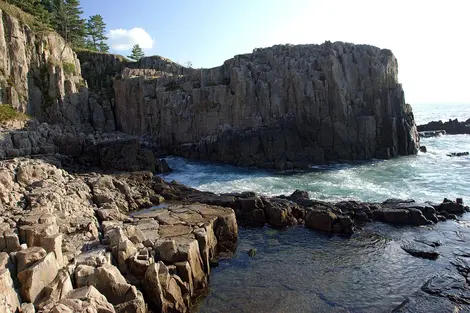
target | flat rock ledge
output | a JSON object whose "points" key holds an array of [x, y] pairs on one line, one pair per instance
{"points": [[66, 244], [131, 242]]}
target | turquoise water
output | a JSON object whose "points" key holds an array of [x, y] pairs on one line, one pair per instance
{"points": [[298, 270], [430, 176]]}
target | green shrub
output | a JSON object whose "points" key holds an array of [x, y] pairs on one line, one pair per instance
{"points": [[8, 113], [69, 68], [24, 17]]}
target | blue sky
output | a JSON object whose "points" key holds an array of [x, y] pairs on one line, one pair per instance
{"points": [[428, 37]]}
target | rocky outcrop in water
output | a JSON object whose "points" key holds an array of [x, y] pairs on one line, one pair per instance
{"points": [[451, 127], [298, 208], [280, 107]]}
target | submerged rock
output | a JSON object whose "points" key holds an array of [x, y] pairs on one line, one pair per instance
{"points": [[422, 302], [429, 241], [420, 250]]}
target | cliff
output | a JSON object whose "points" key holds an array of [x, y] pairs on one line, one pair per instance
{"points": [[280, 107], [40, 75]]}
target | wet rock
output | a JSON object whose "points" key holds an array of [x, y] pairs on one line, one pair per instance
{"points": [[450, 127], [393, 216], [252, 252], [420, 250], [280, 213], [403, 214], [429, 241], [451, 207], [449, 284], [462, 265], [458, 154], [423, 149], [324, 219], [422, 302], [320, 219], [250, 209]]}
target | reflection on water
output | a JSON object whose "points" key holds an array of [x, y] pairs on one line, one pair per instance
{"points": [[299, 270]]}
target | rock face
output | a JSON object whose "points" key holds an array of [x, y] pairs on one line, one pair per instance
{"points": [[279, 107], [40, 75]]}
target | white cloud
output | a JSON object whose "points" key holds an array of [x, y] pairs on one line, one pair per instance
{"points": [[124, 39]]}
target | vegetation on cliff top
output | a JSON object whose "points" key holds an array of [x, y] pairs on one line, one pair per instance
{"points": [[24, 17], [63, 16], [8, 113], [137, 53]]}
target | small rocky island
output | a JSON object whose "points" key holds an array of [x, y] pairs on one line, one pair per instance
{"points": [[86, 225]]}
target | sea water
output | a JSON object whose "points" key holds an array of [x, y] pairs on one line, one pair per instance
{"points": [[299, 270], [430, 176]]}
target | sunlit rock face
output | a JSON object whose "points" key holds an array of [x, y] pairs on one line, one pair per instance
{"points": [[280, 107], [41, 75]]}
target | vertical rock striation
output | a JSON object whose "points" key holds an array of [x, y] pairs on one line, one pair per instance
{"points": [[40, 75], [280, 107]]}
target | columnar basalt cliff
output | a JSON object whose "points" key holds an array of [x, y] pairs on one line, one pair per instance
{"points": [[285, 106], [40, 75]]}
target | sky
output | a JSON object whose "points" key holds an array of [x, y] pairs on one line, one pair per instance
{"points": [[430, 38]]}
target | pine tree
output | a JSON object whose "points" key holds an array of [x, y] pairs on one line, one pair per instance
{"points": [[67, 21], [137, 53], [96, 38], [103, 47], [37, 8]]}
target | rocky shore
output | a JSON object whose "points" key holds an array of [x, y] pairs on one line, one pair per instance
{"points": [[68, 246], [451, 127], [87, 226], [131, 242]]}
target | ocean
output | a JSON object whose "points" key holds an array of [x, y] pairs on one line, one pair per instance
{"points": [[430, 176], [299, 270]]}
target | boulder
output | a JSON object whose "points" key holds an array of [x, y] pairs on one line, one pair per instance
{"points": [[28, 257], [109, 281], [320, 219], [162, 290], [58, 289], [280, 213], [393, 216], [9, 300], [92, 296], [420, 250], [34, 278]]}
